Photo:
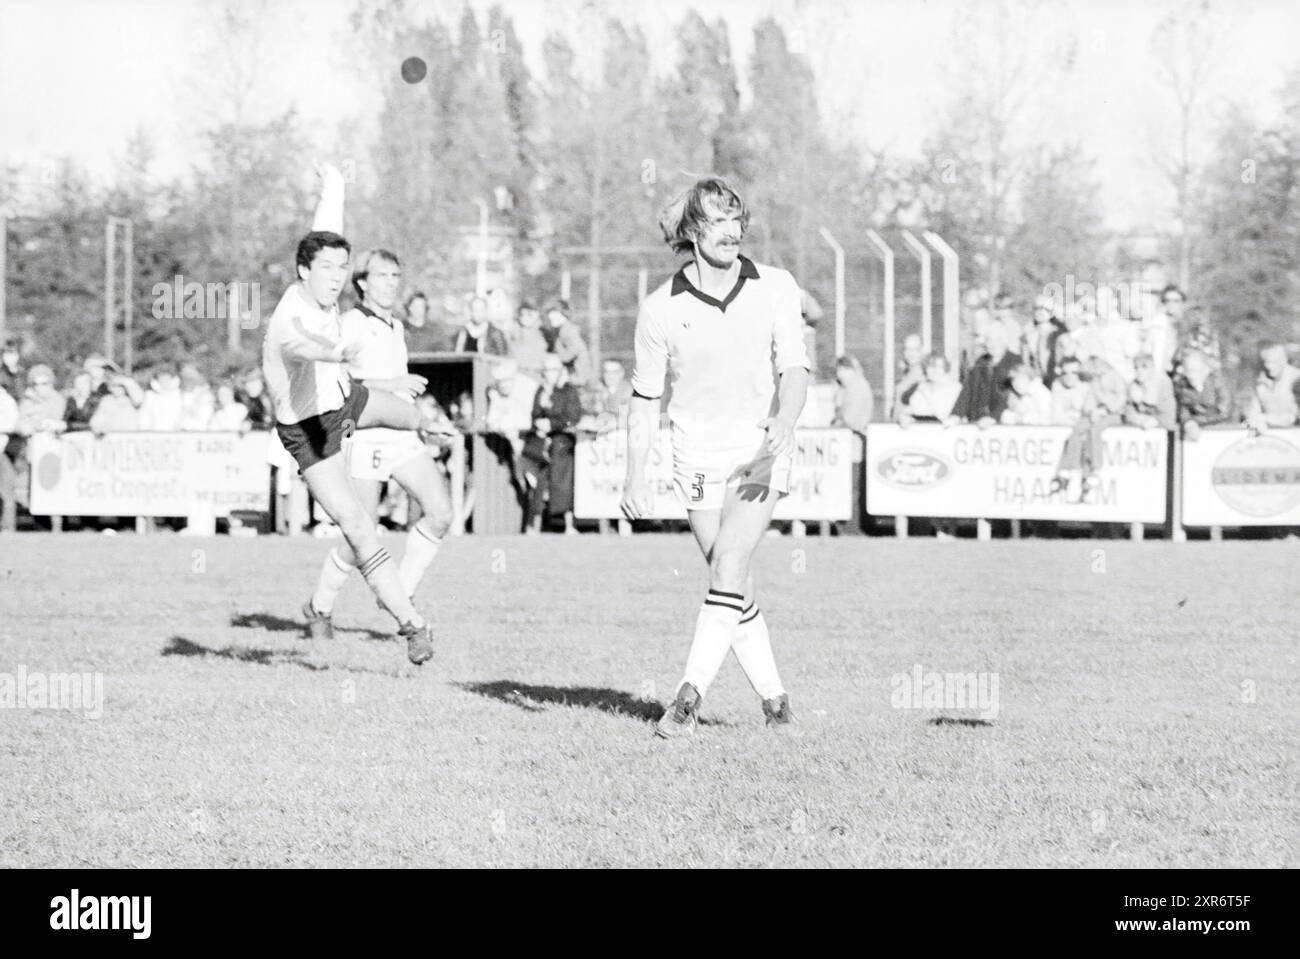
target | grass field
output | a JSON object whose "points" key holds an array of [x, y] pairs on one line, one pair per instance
{"points": [[1148, 708]]}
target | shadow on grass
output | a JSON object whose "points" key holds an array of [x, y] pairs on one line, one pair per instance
{"points": [[278, 624], [180, 646], [954, 721], [535, 699]]}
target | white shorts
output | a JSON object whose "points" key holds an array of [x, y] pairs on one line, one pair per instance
{"points": [[373, 454], [702, 480]]}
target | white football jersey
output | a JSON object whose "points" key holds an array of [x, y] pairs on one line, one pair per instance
{"points": [[302, 358], [383, 345], [722, 357]]}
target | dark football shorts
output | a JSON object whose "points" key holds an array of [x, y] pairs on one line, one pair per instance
{"points": [[319, 437]]}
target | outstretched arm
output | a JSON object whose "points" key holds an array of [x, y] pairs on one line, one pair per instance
{"points": [[329, 208]]}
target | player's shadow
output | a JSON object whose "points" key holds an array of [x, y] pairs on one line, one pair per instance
{"points": [[180, 646], [959, 721], [535, 699], [278, 624]]}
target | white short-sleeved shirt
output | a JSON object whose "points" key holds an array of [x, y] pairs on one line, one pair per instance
{"points": [[382, 354], [722, 357], [302, 358]]}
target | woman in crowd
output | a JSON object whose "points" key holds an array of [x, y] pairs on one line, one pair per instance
{"points": [[229, 415], [548, 450]]}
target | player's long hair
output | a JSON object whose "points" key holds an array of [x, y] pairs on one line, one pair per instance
{"points": [[684, 217], [363, 268]]}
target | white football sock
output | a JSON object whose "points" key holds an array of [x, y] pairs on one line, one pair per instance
{"points": [[753, 649], [334, 572], [714, 630], [381, 576], [421, 548]]}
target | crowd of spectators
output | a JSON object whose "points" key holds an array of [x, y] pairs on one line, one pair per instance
{"points": [[1151, 365], [1087, 365]]}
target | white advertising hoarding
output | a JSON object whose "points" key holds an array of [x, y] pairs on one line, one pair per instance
{"points": [[1236, 478], [1011, 472], [148, 474]]}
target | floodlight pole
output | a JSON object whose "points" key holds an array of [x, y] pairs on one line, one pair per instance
{"points": [[951, 301], [110, 253], [4, 267], [927, 306], [839, 289], [886, 256]]}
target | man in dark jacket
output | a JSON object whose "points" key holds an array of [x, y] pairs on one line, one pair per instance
{"points": [[983, 395]]}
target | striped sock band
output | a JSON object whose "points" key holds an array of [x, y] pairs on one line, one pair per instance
{"points": [[750, 612], [717, 597], [377, 559]]}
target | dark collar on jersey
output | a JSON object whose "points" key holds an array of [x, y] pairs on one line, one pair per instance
{"points": [[748, 271], [367, 311]]}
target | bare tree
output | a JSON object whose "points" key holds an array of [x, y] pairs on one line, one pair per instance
{"points": [[1187, 45]]}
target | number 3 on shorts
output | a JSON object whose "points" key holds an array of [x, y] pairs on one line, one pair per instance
{"points": [[697, 488]]}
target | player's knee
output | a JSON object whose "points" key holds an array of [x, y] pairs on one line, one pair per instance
{"points": [[437, 519], [357, 529], [729, 568]]}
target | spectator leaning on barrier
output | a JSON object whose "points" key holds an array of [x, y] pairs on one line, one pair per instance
{"points": [[162, 408], [41, 408], [228, 414], [567, 343], [1102, 407], [81, 403], [99, 371], [983, 396], [1273, 401], [933, 399], [119, 411], [197, 402], [527, 342], [1150, 401], [1069, 392], [1029, 402], [1202, 396]]}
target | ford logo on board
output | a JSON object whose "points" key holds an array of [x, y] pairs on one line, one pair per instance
{"points": [[913, 469]]}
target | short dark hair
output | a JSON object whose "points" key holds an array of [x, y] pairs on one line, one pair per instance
{"points": [[526, 305], [1172, 288], [363, 266], [318, 240]]}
